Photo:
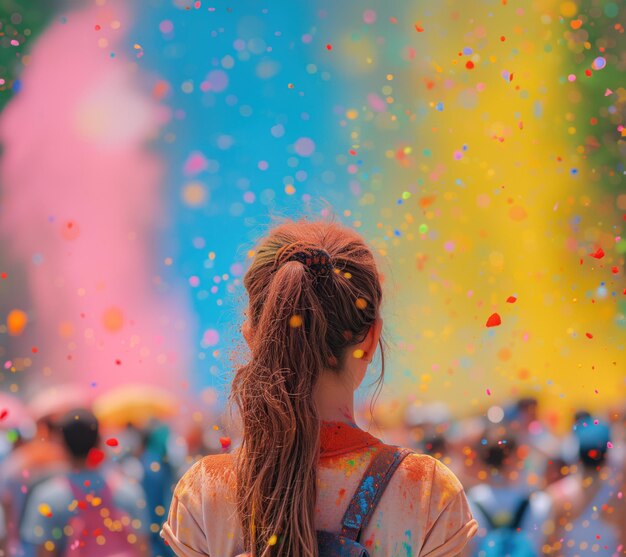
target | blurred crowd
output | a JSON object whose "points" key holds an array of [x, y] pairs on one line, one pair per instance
{"points": [[97, 480]]}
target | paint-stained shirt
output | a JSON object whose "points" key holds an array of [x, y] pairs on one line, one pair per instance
{"points": [[423, 511]]}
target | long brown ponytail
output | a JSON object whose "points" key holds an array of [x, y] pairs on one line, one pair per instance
{"points": [[302, 320]]}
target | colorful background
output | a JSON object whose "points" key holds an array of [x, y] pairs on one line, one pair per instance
{"points": [[478, 146]]}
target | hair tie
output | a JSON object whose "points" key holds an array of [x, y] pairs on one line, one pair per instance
{"points": [[317, 260]]}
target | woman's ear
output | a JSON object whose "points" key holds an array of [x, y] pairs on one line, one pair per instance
{"points": [[246, 331], [370, 343]]}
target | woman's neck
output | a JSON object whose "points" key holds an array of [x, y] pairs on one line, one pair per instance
{"points": [[334, 399]]}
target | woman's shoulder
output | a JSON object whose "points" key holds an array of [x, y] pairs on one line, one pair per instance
{"points": [[430, 476], [211, 475], [202, 517]]}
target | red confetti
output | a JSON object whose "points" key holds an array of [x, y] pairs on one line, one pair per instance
{"points": [[511, 300], [4, 414], [418, 27], [469, 65], [599, 253], [97, 28], [112, 442], [588, 335], [34, 350], [615, 269], [494, 320], [3, 275], [94, 458], [329, 47], [225, 442]]}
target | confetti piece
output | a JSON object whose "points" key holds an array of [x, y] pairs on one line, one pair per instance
{"points": [[3, 413], [469, 65], [598, 254], [511, 300], [112, 442], [225, 442], [494, 320], [329, 47], [488, 391], [588, 335], [16, 322], [295, 321], [599, 63], [609, 445], [418, 27], [94, 458]]}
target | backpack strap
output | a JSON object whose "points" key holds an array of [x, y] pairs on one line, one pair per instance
{"points": [[370, 490], [519, 513], [515, 521], [482, 509]]}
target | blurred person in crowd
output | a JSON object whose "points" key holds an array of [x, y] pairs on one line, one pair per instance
{"points": [[158, 481], [590, 513], [569, 444], [86, 512], [31, 462], [535, 442], [3, 534], [511, 516]]}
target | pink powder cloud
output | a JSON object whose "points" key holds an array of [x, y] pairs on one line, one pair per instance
{"points": [[83, 192]]}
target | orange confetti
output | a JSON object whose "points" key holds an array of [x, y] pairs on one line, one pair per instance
{"points": [[16, 322], [427, 201], [418, 27]]}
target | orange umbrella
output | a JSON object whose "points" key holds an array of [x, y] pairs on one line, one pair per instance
{"points": [[134, 404]]}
